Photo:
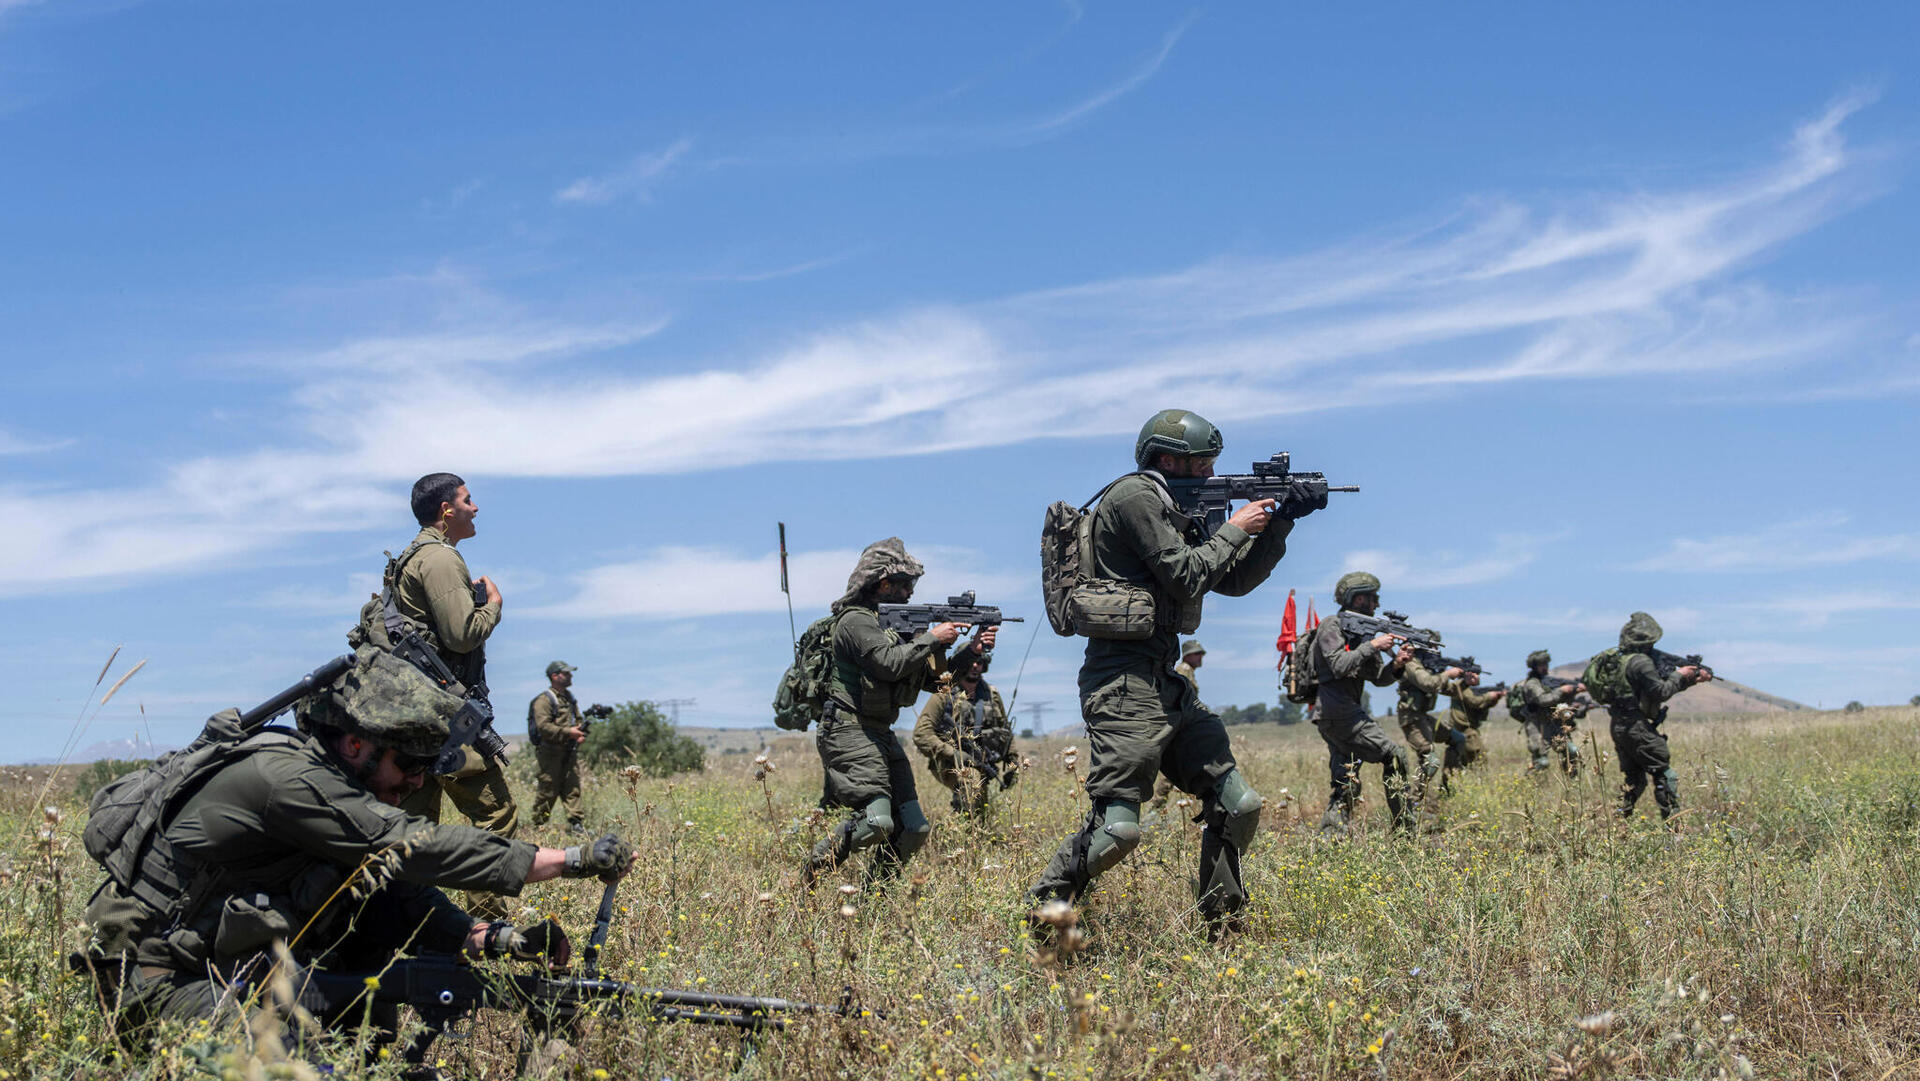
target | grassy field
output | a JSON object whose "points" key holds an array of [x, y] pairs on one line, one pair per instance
{"points": [[1773, 932]]}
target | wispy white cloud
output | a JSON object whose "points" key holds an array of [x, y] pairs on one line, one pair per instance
{"points": [[1080, 110], [1603, 288], [1428, 569], [13, 444], [635, 180], [1788, 546], [686, 582]]}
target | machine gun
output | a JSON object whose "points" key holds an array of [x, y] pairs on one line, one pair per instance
{"points": [[1670, 662], [911, 619], [441, 989], [1358, 628], [1212, 497]]}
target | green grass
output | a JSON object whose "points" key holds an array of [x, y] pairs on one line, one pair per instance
{"points": [[1773, 933]]}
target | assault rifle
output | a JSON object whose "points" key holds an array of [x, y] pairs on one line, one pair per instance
{"points": [[911, 619], [441, 989], [1669, 662], [1554, 683], [1438, 664], [1358, 628], [1212, 497], [1500, 686], [252, 719]]}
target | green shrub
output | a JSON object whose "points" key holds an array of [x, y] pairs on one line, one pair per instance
{"points": [[1854, 707], [639, 734]]}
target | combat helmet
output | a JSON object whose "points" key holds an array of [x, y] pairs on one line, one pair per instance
{"points": [[1176, 431], [1641, 632], [387, 701], [1539, 656], [1354, 582], [881, 559]]}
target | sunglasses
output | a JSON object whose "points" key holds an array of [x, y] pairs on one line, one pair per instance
{"points": [[413, 764]]}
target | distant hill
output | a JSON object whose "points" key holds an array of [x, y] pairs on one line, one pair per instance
{"points": [[1720, 696]]}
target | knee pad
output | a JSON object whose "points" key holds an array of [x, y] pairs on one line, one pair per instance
{"points": [[1116, 832], [914, 829], [874, 824], [1235, 809]]}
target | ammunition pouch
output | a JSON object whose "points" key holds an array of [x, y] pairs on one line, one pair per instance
{"points": [[1111, 610]]}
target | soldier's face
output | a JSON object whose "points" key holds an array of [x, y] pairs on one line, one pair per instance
{"points": [[562, 680], [456, 518], [396, 778], [895, 590], [1192, 466], [1194, 659], [1364, 603]]}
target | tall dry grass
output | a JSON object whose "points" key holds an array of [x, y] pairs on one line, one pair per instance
{"points": [[1772, 933]]}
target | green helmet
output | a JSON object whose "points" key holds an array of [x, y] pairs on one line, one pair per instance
{"points": [[1354, 582], [1175, 431], [1539, 656], [1641, 632], [386, 700]]}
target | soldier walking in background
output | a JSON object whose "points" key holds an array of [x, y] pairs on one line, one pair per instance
{"points": [[1142, 717], [454, 614], [556, 730], [1638, 705], [875, 675], [1533, 702], [1353, 738], [1420, 692], [1459, 733], [966, 737]]}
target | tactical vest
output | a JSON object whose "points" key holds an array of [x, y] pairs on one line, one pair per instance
{"points": [[386, 627]]}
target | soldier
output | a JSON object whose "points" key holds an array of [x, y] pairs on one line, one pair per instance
{"points": [[1460, 732], [1192, 656], [1637, 715], [1352, 737], [964, 733], [1419, 694], [1533, 702], [554, 728], [874, 675], [432, 588], [1142, 718], [268, 836]]}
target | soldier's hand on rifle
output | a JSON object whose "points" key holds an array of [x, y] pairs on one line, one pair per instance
{"points": [[606, 859], [1451, 673], [983, 641], [493, 591], [1303, 500], [1496, 695], [1579, 688], [544, 941], [1382, 641], [1693, 674], [1254, 516], [577, 733], [945, 633], [1404, 656]]}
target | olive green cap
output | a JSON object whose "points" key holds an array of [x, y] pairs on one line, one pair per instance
{"points": [[1640, 632], [558, 667], [1354, 582], [1176, 431], [387, 701]]}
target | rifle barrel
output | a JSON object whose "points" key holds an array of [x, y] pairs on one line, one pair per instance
{"points": [[309, 683]]}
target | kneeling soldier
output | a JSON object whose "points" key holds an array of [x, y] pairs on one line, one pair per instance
{"points": [[965, 736]]}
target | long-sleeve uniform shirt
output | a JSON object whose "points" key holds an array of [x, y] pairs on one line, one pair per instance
{"points": [[875, 673], [1343, 672], [436, 589], [1140, 537], [1420, 692], [1648, 701], [953, 715], [1468, 706], [1536, 700], [273, 835], [549, 716]]}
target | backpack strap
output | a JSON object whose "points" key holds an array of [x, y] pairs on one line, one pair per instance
{"points": [[389, 603]]}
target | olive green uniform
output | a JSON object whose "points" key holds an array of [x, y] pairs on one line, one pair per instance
{"points": [[1459, 730], [1142, 716], [1534, 702], [875, 675], [435, 589], [266, 843], [958, 727], [1354, 738], [1162, 788], [549, 716], [1420, 692], [1637, 739]]}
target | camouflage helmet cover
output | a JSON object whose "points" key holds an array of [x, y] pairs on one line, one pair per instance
{"points": [[1640, 632], [1539, 656], [1354, 582], [386, 700], [881, 559], [1176, 431]]}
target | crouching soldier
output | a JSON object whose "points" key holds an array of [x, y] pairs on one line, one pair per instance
{"points": [[250, 837], [966, 737]]}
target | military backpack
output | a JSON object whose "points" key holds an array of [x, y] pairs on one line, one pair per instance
{"points": [[1297, 680], [1606, 677], [126, 819], [1077, 602], [801, 697]]}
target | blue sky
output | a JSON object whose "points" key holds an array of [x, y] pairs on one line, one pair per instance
{"points": [[1603, 309]]}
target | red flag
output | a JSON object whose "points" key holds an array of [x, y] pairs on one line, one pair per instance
{"points": [[1313, 618], [1288, 637]]}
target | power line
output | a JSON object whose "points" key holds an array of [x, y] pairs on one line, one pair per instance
{"points": [[1038, 711], [673, 705]]}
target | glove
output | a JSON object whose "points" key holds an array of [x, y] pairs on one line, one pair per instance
{"points": [[1302, 499], [1007, 779], [544, 941], [606, 859]]}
